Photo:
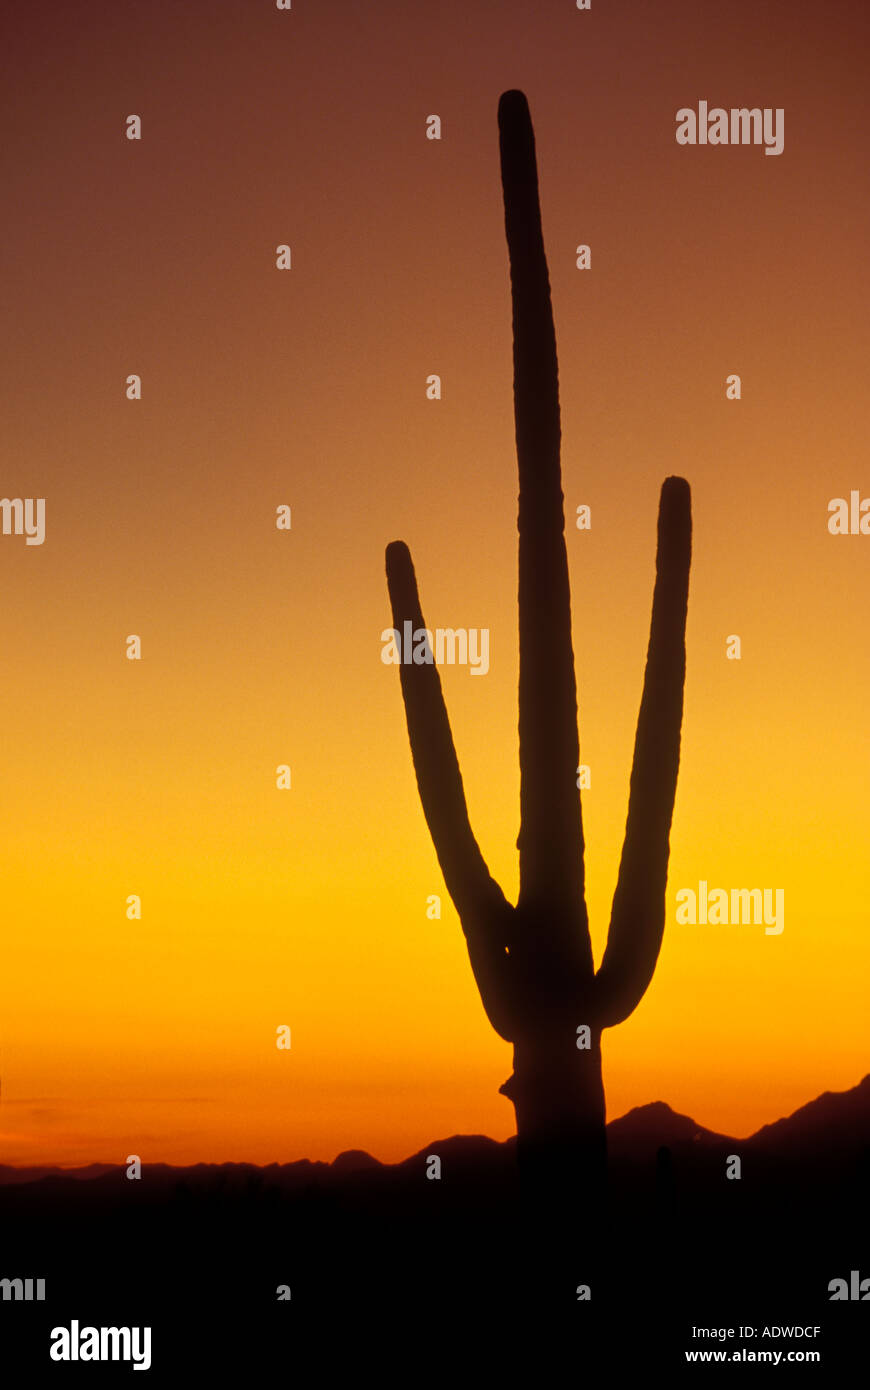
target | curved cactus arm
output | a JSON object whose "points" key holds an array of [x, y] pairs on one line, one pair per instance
{"points": [[638, 917], [551, 834], [485, 914]]}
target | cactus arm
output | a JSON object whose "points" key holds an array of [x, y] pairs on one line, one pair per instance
{"points": [[551, 834], [638, 916], [485, 914]]}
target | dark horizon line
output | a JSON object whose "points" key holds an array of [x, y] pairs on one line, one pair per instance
{"points": [[501, 1143]]}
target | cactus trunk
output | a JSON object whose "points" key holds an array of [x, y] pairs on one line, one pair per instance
{"points": [[558, 1095]]}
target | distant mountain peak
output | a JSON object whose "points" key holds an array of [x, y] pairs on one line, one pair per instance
{"points": [[834, 1120], [649, 1127], [354, 1161]]}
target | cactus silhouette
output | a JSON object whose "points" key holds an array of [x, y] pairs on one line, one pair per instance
{"points": [[533, 962]]}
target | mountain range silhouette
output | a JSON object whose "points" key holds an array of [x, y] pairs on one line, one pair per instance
{"points": [[833, 1129], [213, 1245]]}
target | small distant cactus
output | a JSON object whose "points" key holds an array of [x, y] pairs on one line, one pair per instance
{"points": [[533, 962]]}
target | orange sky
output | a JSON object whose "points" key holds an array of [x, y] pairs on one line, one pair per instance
{"points": [[307, 387]]}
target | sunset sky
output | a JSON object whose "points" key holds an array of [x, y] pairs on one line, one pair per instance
{"points": [[260, 647]]}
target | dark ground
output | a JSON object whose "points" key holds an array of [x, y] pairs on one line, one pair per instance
{"points": [[381, 1258]]}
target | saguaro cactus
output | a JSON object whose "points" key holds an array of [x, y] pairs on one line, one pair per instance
{"points": [[533, 962]]}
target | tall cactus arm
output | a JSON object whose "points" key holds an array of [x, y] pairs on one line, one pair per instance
{"points": [[638, 917], [551, 834], [485, 914]]}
